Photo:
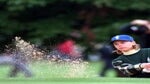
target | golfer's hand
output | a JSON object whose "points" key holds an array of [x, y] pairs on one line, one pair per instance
{"points": [[145, 65]]}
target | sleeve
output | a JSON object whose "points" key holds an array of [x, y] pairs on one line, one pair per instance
{"points": [[126, 68], [148, 58]]}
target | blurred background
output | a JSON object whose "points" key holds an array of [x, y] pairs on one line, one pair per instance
{"points": [[90, 23]]}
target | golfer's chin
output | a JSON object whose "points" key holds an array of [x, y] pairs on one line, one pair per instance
{"points": [[124, 50]]}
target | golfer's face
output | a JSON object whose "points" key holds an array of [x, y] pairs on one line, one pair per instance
{"points": [[123, 46]]}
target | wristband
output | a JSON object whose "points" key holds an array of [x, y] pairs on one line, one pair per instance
{"points": [[138, 66]]}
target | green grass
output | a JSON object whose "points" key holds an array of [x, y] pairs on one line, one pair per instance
{"points": [[77, 81], [67, 73]]}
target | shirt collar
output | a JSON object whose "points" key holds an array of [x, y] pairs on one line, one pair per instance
{"points": [[131, 52]]}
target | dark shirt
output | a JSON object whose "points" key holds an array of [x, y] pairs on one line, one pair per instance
{"points": [[142, 56]]}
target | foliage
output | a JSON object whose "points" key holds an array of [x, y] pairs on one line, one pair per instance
{"points": [[35, 20], [124, 5], [13, 5]]}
